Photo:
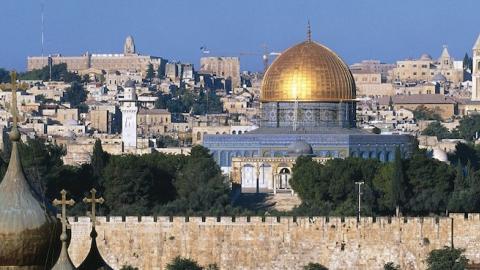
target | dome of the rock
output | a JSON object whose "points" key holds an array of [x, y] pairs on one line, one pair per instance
{"points": [[308, 72]]}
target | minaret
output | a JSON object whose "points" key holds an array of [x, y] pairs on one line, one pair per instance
{"points": [[476, 71], [129, 111]]}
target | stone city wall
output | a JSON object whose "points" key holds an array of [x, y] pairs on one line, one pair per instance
{"points": [[275, 243]]}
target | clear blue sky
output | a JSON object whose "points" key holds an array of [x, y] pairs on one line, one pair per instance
{"points": [[356, 29]]}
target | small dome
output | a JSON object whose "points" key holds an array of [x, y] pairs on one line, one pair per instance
{"points": [[440, 155], [439, 78], [71, 122], [130, 84], [70, 134], [425, 56], [300, 148]]}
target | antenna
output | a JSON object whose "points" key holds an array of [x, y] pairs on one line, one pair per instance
{"points": [[42, 7]]}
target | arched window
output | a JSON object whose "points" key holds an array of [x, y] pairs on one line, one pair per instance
{"points": [[234, 132], [199, 136]]}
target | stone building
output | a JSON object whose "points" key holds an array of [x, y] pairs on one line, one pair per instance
{"points": [[269, 174], [226, 67], [129, 60], [371, 83], [425, 68], [308, 94], [446, 107], [153, 122]]}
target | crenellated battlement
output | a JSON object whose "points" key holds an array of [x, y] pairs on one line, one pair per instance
{"points": [[271, 242], [252, 220]]}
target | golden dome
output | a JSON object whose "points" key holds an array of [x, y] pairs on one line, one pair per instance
{"points": [[308, 72]]}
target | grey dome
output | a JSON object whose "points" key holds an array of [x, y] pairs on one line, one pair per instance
{"points": [[130, 84], [439, 78], [425, 56], [300, 148]]}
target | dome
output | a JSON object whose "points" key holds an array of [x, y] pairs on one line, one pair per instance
{"points": [[130, 84], [308, 72], [439, 77], [28, 230], [300, 148], [71, 122], [440, 155], [425, 56]]}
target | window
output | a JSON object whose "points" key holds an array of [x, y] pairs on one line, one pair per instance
{"points": [[414, 66], [414, 73]]}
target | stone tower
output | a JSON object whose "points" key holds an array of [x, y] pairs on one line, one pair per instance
{"points": [[129, 46], [129, 111], [476, 71]]}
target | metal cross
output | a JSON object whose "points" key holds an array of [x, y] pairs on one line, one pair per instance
{"points": [[93, 200], [64, 202]]}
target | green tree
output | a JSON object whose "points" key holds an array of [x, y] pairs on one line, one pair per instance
{"points": [[446, 258], [469, 127], [330, 189], [183, 264], [382, 184], [424, 113], [128, 267], [428, 196], [438, 130], [75, 94], [466, 62], [398, 181], [200, 185], [314, 266], [135, 185], [4, 76], [391, 266], [99, 159], [150, 72], [59, 73]]}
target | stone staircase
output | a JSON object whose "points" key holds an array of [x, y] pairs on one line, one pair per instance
{"points": [[267, 201]]}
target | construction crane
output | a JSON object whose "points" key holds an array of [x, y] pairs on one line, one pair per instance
{"points": [[266, 55]]}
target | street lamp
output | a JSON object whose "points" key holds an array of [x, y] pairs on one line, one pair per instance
{"points": [[359, 198]]}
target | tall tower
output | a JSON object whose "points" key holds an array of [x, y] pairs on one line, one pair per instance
{"points": [[129, 111], [476, 71], [129, 46]]}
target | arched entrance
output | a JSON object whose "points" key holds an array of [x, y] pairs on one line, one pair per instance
{"points": [[248, 180], [283, 179]]}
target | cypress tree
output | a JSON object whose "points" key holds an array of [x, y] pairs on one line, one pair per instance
{"points": [[398, 181], [99, 159]]}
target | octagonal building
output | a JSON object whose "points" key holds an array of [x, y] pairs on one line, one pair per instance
{"points": [[308, 95]]}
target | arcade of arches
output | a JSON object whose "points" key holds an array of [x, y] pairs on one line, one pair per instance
{"points": [[264, 174]]}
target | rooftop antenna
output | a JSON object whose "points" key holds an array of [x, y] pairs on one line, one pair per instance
{"points": [[309, 32], [42, 7]]}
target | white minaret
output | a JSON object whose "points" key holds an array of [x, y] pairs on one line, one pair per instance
{"points": [[129, 111], [476, 71]]}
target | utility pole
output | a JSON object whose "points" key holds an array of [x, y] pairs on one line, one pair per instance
{"points": [[359, 198]]}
